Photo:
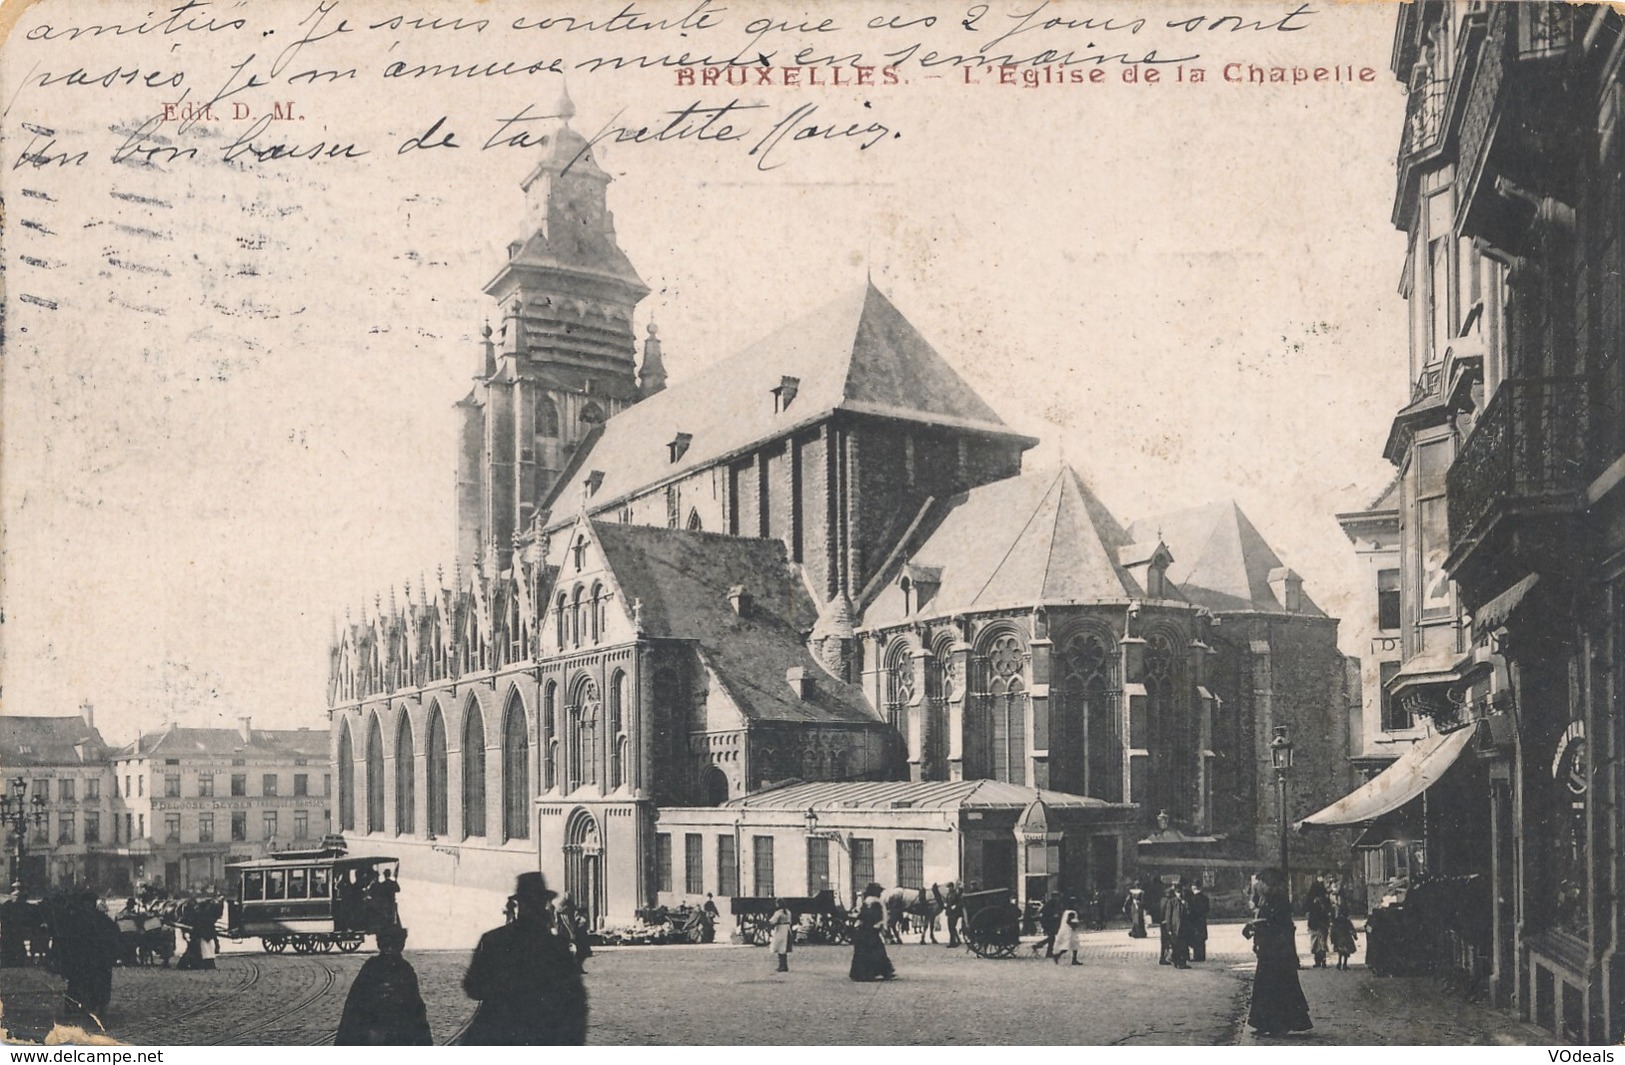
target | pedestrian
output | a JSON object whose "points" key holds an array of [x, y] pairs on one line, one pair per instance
{"points": [[708, 920], [385, 1007], [1278, 1005], [89, 950], [1068, 928], [16, 920], [573, 924], [1049, 919], [1097, 910], [869, 960], [528, 985], [1343, 936], [385, 897], [1318, 914], [953, 905], [1171, 926], [783, 925], [1197, 907], [1134, 910], [1255, 894]]}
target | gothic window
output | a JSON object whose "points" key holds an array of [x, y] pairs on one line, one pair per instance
{"points": [[473, 770], [1086, 751], [591, 414], [375, 775], [939, 687], [1006, 717], [585, 753], [437, 772], [694, 523], [1172, 745], [405, 777], [899, 686], [550, 736], [617, 729], [515, 773], [346, 779], [547, 417]]}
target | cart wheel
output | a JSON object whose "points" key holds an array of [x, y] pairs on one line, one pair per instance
{"points": [[983, 934]]}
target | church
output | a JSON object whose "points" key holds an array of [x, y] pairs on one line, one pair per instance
{"points": [[810, 584]]}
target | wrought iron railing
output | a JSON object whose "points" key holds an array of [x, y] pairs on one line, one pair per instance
{"points": [[1545, 30], [1528, 448], [1424, 116]]}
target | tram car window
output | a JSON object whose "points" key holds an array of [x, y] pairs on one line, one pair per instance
{"points": [[253, 885], [275, 884], [318, 883], [296, 883]]}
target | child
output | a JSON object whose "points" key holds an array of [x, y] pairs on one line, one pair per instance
{"points": [[1343, 943], [1066, 937], [782, 924]]}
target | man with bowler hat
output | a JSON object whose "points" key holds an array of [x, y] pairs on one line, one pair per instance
{"points": [[528, 985]]}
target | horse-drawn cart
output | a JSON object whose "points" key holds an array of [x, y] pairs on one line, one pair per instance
{"points": [[818, 918], [992, 923]]}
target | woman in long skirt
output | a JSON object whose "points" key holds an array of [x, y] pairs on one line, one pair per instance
{"points": [[869, 960], [1066, 934], [1278, 1004]]}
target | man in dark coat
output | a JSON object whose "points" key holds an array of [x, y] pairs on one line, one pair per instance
{"points": [[385, 1007], [1049, 920], [1175, 950], [528, 985], [953, 907], [1197, 905], [16, 923]]}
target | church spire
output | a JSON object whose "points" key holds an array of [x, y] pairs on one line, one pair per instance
{"points": [[652, 374]]}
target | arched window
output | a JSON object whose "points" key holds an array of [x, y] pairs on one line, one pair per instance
{"points": [[375, 775], [585, 751], [437, 771], [899, 687], [515, 773], [617, 730], [577, 617], [405, 777], [595, 608], [694, 523], [939, 689], [346, 779], [550, 736], [547, 417], [1172, 746], [1007, 711], [560, 619], [1085, 748], [473, 770]]}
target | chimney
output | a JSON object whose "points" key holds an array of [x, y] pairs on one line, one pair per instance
{"points": [[800, 682], [740, 600], [87, 713], [245, 729], [1288, 589]]}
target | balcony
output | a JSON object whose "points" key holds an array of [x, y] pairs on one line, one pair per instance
{"points": [[1521, 68], [1524, 459]]}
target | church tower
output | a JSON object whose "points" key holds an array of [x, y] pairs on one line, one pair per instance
{"points": [[562, 360]]}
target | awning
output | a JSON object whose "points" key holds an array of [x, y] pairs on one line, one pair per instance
{"points": [[1411, 774], [1495, 613]]}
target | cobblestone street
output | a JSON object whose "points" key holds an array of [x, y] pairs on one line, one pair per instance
{"points": [[730, 995]]}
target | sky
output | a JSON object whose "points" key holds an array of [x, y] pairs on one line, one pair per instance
{"points": [[228, 375]]}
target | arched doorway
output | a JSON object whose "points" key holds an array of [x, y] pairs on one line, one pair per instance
{"points": [[583, 865]]}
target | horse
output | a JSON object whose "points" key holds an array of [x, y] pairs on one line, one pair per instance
{"points": [[903, 903]]}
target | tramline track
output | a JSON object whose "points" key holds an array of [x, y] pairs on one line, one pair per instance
{"points": [[329, 978], [208, 1004]]}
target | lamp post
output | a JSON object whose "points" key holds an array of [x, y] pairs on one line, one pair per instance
{"points": [[18, 812], [1281, 759]]}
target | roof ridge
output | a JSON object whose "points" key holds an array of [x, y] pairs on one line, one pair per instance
{"points": [[1010, 549]]}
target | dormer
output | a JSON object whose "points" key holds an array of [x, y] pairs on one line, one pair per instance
{"points": [[1154, 559], [739, 598], [592, 482], [784, 393], [1287, 588], [919, 586], [678, 446]]}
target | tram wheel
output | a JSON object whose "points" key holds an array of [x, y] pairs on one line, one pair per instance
{"points": [[325, 945], [273, 944], [350, 946]]}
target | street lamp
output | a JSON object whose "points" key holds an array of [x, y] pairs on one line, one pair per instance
{"points": [[1281, 759], [18, 812]]}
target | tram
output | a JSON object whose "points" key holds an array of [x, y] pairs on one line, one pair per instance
{"points": [[314, 901]]}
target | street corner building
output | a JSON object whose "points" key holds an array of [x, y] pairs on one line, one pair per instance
{"points": [[811, 581], [170, 810], [1504, 607]]}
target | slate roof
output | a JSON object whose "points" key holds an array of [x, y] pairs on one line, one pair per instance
{"points": [[177, 742], [915, 795], [682, 579], [45, 741], [1221, 561], [1040, 537], [857, 353]]}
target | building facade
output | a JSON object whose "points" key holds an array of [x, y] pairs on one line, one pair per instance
{"points": [[187, 801], [1511, 456], [817, 560], [64, 761]]}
